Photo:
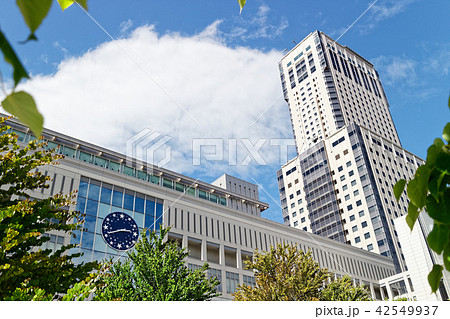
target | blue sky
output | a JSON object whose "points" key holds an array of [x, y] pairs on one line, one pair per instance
{"points": [[200, 72]]}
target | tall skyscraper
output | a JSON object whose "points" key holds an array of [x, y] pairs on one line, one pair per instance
{"points": [[340, 185]]}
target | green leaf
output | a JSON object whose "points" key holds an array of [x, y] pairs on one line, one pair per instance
{"points": [[417, 187], [241, 4], [438, 237], [11, 57], [443, 162], [435, 182], [432, 153], [64, 4], [439, 210], [398, 188], [413, 213], [438, 142], [434, 277], [22, 105], [446, 257], [446, 134], [34, 12]]}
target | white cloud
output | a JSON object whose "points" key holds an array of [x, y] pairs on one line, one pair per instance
{"points": [[396, 71], [387, 9], [258, 26], [125, 26], [105, 98]]}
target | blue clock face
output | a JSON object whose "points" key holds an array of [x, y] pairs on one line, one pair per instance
{"points": [[120, 231]]}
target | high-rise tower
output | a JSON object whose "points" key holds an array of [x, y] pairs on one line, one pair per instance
{"points": [[349, 155]]}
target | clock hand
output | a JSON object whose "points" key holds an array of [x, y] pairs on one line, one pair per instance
{"points": [[119, 230]]}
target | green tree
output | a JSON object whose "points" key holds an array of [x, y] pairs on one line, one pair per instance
{"points": [[430, 190], [343, 289], [25, 269], [284, 273], [155, 270]]}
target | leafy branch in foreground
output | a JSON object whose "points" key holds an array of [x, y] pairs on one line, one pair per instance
{"points": [[21, 104], [430, 190]]}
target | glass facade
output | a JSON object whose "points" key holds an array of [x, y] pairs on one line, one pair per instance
{"points": [[97, 199], [323, 209]]}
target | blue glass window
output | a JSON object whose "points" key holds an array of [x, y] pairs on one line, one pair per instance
{"points": [[100, 244], [81, 204], [89, 223], [91, 207], [139, 218], [139, 204], [98, 229], [77, 234], [117, 198], [94, 191], [159, 211], [82, 190], [103, 210], [128, 201], [149, 207], [106, 195], [149, 221], [87, 242]]}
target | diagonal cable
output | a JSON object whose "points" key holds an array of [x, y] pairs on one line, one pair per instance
{"points": [[137, 64], [265, 111]]}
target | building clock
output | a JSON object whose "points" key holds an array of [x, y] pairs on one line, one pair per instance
{"points": [[120, 231]]}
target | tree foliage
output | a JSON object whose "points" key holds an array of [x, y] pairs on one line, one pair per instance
{"points": [[155, 270], [430, 190], [26, 270], [286, 273], [22, 104], [343, 289]]}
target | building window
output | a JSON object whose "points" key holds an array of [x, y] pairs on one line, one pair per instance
{"points": [[352, 218], [342, 178], [355, 228], [358, 203], [357, 239], [349, 207], [347, 197], [295, 223], [353, 183], [364, 224], [369, 247], [340, 168], [361, 213], [232, 282], [218, 274], [344, 188], [348, 164], [367, 235], [303, 219], [249, 281]]}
